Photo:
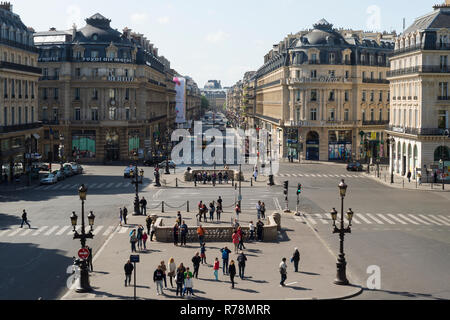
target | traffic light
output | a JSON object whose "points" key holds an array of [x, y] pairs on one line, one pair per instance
{"points": [[286, 187], [299, 188]]}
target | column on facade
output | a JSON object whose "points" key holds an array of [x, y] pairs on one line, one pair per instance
{"points": [[292, 103], [303, 114]]}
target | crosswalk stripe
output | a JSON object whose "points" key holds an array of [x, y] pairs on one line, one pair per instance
{"points": [[385, 219], [321, 219], [39, 231], [100, 185], [110, 185], [407, 219], [97, 230], [123, 229], [306, 175], [299, 219], [371, 216], [39, 188], [60, 232], [3, 232], [440, 220], [28, 231], [15, 232], [418, 219], [49, 232], [108, 231], [355, 220], [119, 185], [396, 219], [445, 218], [78, 229], [429, 219], [47, 187], [311, 220], [360, 216], [65, 187], [93, 186], [55, 187]]}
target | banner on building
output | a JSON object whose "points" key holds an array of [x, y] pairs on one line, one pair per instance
{"points": [[180, 107]]}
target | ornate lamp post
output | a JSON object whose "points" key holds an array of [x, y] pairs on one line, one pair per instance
{"points": [[341, 278], [271, 181], [83, 283], [137, 178], [167, 151]]}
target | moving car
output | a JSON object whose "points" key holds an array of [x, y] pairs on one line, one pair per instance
{"points": [[49, 179], [355, 166], [60, 175], [171, 164], [126, 172]]}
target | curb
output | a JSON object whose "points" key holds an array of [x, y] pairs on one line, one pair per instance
{"points": [[395, 186], [358, 292]]}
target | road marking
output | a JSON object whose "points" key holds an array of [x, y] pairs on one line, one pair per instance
{"points": [[360, 216], [371, 216], [39, 231], [26, 232], [108, 231], [123, 229], [92, 186], [97, 230], [3, 232], [418, 219], [396, 219], [440, 220], [385, 219], [48, 187], [110, 185], [310, 219], [355, 220], [70, 233], [313, 175], [444, 218], [429, 219], [49, 232], [119, 185], [300, 219], [277, 204], [290, 284], [321, 219], [407, 219], [39, 188], [101, 185], [65, 187], [55, 187], [15, 232], [60, 232]]}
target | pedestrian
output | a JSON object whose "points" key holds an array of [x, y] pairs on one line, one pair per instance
{"points": [[175, 234], [140, 230], [251, 228], [241, 234], [296, 259], [435, 177], [255, 174], [128, 267], [172, 270], [120, 216], [183, 232], [148, 222], [218, 212], [258, 210], [219, 203], [259, 230], [203, 253], [89, 259], [179, 218], [216, 269], [196, 262], [232, 272], [201, 234], [158, 277], [419, 177], [144, 240], [204, 210], [226, 178], [25, 219], [152, 230], [181, 268], [237, 210], [241, 260], [235, 225], [188, 285], [164, 269], [143, 206], [180, 281], [211, 211], [236, 240], [220, 176], [409, 176], [225, 256], [263, 210], [125, 214], [133, 240], [283, 272]]}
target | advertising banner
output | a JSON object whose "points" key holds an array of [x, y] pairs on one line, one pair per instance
{"points": [[180, 107]]}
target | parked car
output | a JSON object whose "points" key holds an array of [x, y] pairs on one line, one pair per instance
{"points": [[68, 171], [60, 175], [154, 161], [76, 168], [49, 179], [355, 166], [42, 166], [126, 172], [163, 164]]}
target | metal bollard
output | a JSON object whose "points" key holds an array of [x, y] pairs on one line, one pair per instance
{"points": [[176, 182], [251, 182], [403, 182], [162, 208], [187, 206]]}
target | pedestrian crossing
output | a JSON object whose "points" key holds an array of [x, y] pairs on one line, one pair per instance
{"points": [[315, 175], [379, 219], [93, 186], [59, 231]]}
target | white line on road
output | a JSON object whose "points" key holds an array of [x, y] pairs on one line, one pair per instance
{"points": [[300, 219], [355, 220], [407, 219], [97, 230], [396, 219], [100, 185], [108, 231], [65, 187], [3, 232], [92, 186], [321, 219], [49, 232], [385, 219], [439, 219], [290, 284], [429, 219], [360, 216], [310, 219], [60, 232], [119, 185], [418, 219], [110, 185], [371, 216], [123, 229], [15, 232], [444, 218], [313, 175], [70, 233], [26, 232], [39, 231], [277, 204]]}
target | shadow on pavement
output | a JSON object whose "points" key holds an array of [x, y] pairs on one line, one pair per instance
{"points": [[407, 294], [7, 221], [309, 273]]}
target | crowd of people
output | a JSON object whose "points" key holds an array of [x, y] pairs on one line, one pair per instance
{"points": [[205, 177]]}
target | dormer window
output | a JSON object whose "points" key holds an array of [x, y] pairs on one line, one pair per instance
{"points": [[95, 37]]}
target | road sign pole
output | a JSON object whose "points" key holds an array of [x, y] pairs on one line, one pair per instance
{"points": [[135, 281]]}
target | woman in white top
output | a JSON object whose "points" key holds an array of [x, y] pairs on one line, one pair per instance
{"points": [[172, 270]]}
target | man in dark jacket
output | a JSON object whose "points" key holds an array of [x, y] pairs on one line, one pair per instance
{"points": [[259, 230], [125, 213], [296, 259], [158, 277], [225, 256], [196, 262], [143, 206], [25, 219], [89, 259], [184, 232], [128, 271], [241, 259]]}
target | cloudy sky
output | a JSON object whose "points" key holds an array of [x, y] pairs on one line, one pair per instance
{"points": [[221, 39]]}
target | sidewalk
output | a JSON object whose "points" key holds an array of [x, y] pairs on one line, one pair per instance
{"points": [[261, 282]]}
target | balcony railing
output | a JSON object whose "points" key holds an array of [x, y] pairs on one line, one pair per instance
{"points": [[383, 81], [20, 67], [19, 45], [440, 46], [418, 69], [20, 127], [443, 98], [418, 131], [48, 78], [376, 123]]}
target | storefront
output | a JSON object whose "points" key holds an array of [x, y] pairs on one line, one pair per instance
{"points": [[293, 144], [340, 145], [84, 144], [312, 146]]}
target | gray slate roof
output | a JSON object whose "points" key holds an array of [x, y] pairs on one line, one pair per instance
{"points": [[439, 18]]}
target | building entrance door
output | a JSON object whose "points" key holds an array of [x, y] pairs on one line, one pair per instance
{"points": [[112, 147]]}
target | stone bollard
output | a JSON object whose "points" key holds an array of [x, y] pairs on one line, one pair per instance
{"points": [[277, 217]]}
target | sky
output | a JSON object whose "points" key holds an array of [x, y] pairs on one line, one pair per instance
{"points": [[221, 39]]}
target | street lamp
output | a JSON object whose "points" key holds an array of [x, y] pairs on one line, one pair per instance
{"points": [[167, 151], [137, 178], [341, 278], [271, 181], [392, 143], [83, 283]]}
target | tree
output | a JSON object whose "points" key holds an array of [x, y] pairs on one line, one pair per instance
{"points": [[204, 103]]}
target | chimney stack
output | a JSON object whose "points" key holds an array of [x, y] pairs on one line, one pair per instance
{"points": [[6, 6]]}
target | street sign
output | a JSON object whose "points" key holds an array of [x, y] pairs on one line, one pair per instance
{"points": [[134, 258], [83, 253]]}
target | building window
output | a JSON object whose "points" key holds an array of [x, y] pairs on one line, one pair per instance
{"points": [[94, 94], [347, 74], [314, 58], [26, 114], [443, 119], [5, 87], [363, 96], [77, 114], [380, 75], [94, 115], [45, 93], [331, 73], [112, 113], [331, 97], [55, 114], [77, 93], [56, 93], [346, 114], [77, 72], [381, 114], [94, 54], [380, 99], [332, 58], [32, 90], [313, 74], [13, 89], [313, 114], [112, 94], [19, 115], [45, 72], [371, 76], [346, 96], [13, 116], [363, 115], [372, 96], [444, 64], [364, 75], [5, 116], [127, 94], [313, 95], [443, 89], [389, 114], [372, 115], [332, 114], [127, 114], [416, 118], [32, 114]]}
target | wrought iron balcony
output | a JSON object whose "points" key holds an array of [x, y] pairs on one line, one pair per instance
{"points": [[20, 127], [417, 131], [382, 81], [375, 123]]}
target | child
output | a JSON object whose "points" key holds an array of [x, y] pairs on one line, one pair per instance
{"points": [[188, 285], [144, 240], [202, 253]]}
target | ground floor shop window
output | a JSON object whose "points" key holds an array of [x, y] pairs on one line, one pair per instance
{"points": [[340, 145], [133, 145], [84, 145]]}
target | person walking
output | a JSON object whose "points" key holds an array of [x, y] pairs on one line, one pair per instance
{"points": [[164, 269], [181, 268], [409, 176], [152, 230], [201, 234], [258, 210], [419, 178], [218, 212], [179, 218], [251, 228], [204, 210], [125, 214], [133, 240], [144, 240], [283, 272], [188, 286], [296, 259], [25, 219], [203, 253], [255, 174], [140, 230], [143, 206], [219, 203], [89, 259], [263, 210], [220, 176], [196, 262], [232, 272], [158, 277], [128, 268], [225, 256], [241, 234], [241, 260], [200, 211], [120, 216], [183, 232], [216, 269], [148, 222], [180, 281], [259, 230], [236, 240], [237, 210], [212, 208], [172, 270], [188, 273], [175, 234]]}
